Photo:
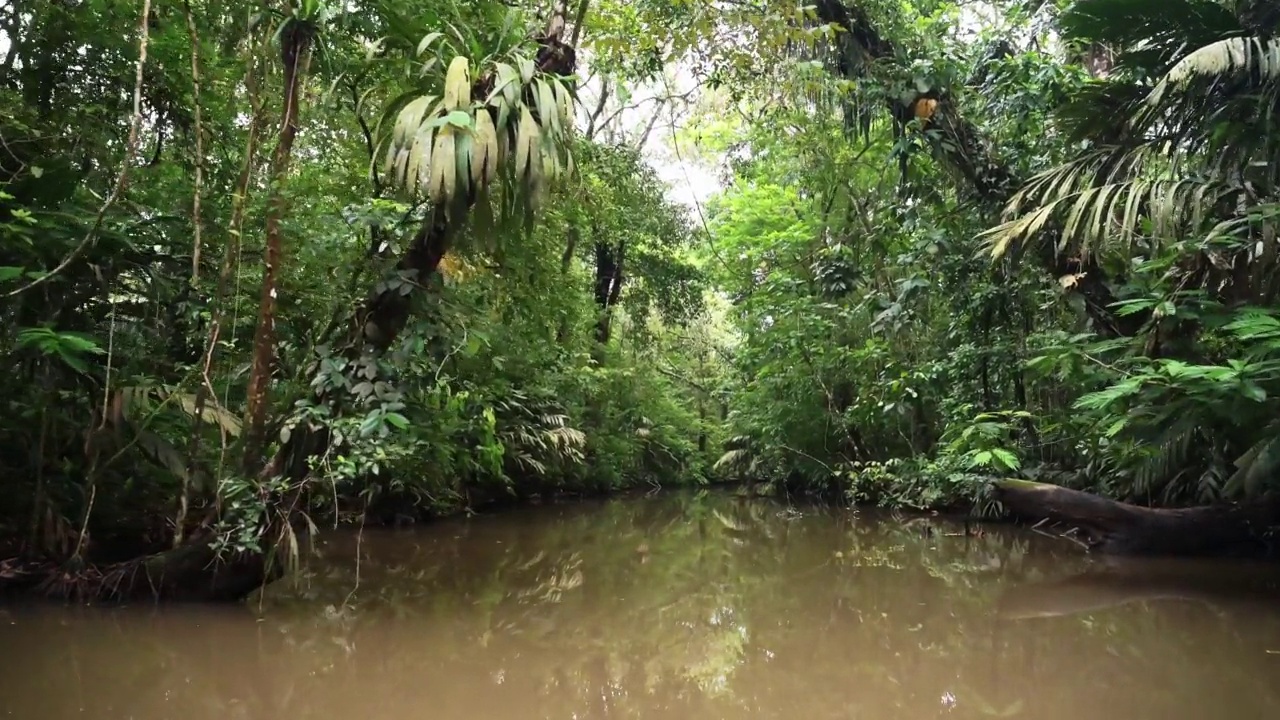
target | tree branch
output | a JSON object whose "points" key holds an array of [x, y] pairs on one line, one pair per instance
{"points": [[131, 149], [595, 114], [577, 22]]}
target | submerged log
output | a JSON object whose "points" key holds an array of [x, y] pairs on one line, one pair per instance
{"points": [[1249, 588], [1113, 527]]}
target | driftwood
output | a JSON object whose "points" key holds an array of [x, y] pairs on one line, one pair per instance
{"points": [[1112, 527]]}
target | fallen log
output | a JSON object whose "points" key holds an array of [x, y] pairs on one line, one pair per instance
{"points": [[1113, 527]]}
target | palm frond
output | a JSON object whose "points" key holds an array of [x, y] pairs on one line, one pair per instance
{"points": [[1257, 465], [535, 440], [135, 402], [732, 460], [1090, 114], [1096, 199], [529, 462], [1252, 58], [1167, 459], [1194, 108], [1229, 83], [1150, 34]]}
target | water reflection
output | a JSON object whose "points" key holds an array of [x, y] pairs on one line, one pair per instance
{"points": [[676, 606]]}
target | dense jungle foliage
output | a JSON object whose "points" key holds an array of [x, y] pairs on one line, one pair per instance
{"points": [[386, 259]]}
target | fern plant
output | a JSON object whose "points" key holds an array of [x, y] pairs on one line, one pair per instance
{"points": [[536, 435], [1198, 431]]}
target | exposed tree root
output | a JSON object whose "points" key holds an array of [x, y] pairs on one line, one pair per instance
{"points": [[192, 572]]}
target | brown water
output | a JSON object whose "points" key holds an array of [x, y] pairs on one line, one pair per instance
{"points": [[675, 606]]}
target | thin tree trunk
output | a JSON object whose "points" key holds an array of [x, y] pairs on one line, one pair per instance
{"points": [[984, 362], [1019, 377], [295, 54], [230, 258], [609, 279], [566, 264], [196, 223], [184, 499]]}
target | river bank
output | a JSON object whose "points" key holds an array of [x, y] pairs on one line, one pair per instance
{"points": [[163, 572], [668, 606], [202, 571]]}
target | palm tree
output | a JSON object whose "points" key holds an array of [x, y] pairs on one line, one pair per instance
{"points": [[1178, 168], [1177, 140]]}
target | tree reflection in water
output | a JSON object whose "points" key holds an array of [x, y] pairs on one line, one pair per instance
{"points": [[673, 606]]}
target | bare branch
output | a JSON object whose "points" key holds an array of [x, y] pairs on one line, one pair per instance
{"points": [[648, 128], [595, 115], [660, 99]]}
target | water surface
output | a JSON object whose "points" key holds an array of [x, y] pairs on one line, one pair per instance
{"points": [[675, 606]]}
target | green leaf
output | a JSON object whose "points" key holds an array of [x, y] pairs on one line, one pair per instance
{"points": [[460, 118], [1254, 392], [1116, 427], [1006, 458], [72, 361], [427, 41]]}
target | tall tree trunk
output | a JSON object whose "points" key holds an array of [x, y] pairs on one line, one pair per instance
{"points": [[566, 264], [984, 361], [609, 279], [230, 260], [295, 50], [1019, 378]]}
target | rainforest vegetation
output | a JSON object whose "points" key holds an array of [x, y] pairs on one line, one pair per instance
{"points": [[268, 265]]}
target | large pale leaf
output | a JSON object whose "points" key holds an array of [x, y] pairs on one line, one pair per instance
{"points": [[457, 84]]}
